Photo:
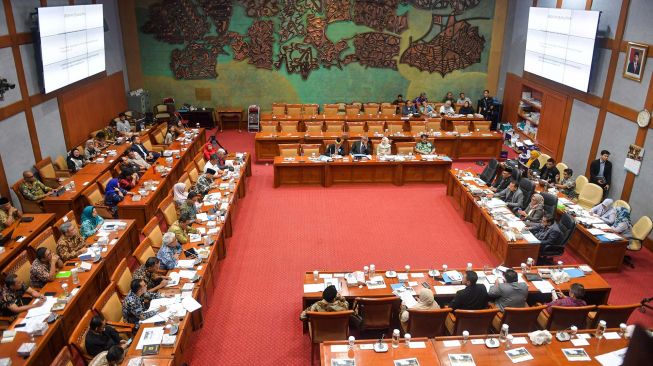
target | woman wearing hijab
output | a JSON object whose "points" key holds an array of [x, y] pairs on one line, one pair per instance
{"points": [[91, 222], [425, 301], [75, 160], [466, 108], [180, 194], [622, 224], [113, 195], [208, 150], [605, 211], [384, 148], [535, 210], [533, 163]]}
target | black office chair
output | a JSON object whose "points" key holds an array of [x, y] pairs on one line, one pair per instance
{"points": [[490, 171], [567, 226], [550, 203], [527, 188]]}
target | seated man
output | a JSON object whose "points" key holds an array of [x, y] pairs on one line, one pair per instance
{"points": [[547, 232], [101, 337], [113, 357], [335, 148], [512, 196], [575, 298], [472, 297], [44, 267], [361, 147], [149, 272], [134, 159], [509, 294], [568, 184], [462, 99], [33, 189], [8, 213], [182, 227], [408, 109], [140, 149], [169, 252], [331, 301], [189, 207], [205, 182], [550, 174], [128, 167], [448, 98], [427, 110], [424, 146], [11, 296], [70, 244], [447, 109], [502, 181], [216, 162], [134, 307], [122, 125]]}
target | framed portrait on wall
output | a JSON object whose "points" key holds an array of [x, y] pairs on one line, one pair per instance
{"points": [[635, 61]]}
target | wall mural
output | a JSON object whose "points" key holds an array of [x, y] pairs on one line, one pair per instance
{"points": [[311, 37]]}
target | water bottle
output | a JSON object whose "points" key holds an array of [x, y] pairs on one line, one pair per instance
{"points": [[395, 338], [444, 268], [352, 342], [574, 331], [529, 264], [407, 267], [509, 339], [366, 270], [622, 330], [486, 268], [600, 329], [465, 336], [524, 269], [372, 270], [75, 276], [560, 266], [469, 266], [504, 333], [315, 275], [407, 338]]}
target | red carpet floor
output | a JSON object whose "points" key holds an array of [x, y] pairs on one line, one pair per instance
{"points": [[252, 316]]}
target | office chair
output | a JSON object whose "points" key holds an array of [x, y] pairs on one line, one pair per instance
{"points": [[567, 226], [490, 171], [640, 231], [550, 203]]}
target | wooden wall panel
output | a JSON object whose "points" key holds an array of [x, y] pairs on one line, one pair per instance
{"points": [[553, 122], [511, 94], [91, 107]]}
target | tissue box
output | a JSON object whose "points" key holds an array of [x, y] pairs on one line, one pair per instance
{"points": [[5, 361], [26, 349]]}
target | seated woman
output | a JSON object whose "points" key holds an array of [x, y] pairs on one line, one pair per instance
{"points": [[622, 224], [605, 211], [535, 210], [91, 222], [90, 150], [75, 161], [171, 135], [208, 150], [425, 301], [113, 195], [384, 148], [179, 193], [466, 108], [533, 164], [127, 181]]}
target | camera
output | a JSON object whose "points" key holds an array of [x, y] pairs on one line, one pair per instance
{"points": [[4, 86]]}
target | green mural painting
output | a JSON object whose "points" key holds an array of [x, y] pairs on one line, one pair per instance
{"points": [[312, 51]]}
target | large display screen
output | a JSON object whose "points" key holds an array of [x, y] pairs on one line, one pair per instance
{"points": [[560, 45], [72, 44]]}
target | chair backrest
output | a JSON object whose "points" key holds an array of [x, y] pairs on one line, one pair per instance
{"points": [[376, 311], [481, 125], [103, 180], [147, 143], [27, 205], [490, 171], [395, 126], [356, 127], [642, 228], [329, 326], [152, 231], [186, 180], [613, 315], [563, 317], [434, 124], [527, 188], [314, 126], [550, 203], [60, 163], [199, 161], [19, 266], [352, 110], [461, 128], [44, 239], [64, 358], [159, 137], [345, 145], [288, 126], [294, 110], [109, 304], [334, 126], [46, 169], [330, 109], [288, 150], [68, 217], [269, 126], [168, 209], [388, 110], [279, 109], [375, 126], [567, 225], [621, 203], [144, 251], [193, 173], [309, 149], [522, 320], [78, 337], [371, 108], [405, 147], [427, 323], [473, 321], [561, 168], [590, 196], [122, 277], [581, 181], [417, 126], [310, 109], [93, 195]]}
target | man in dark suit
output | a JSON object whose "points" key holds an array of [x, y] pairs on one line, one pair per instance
{"points": [[473, 296], [634, 65], [335, 149], [502, 180], [138, 148], [485, 102], [601, 171], [547, 232], [512, 196], [361, 147]]}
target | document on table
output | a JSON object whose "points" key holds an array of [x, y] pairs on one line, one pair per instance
{"points": [[185, 263], [190, 304], [187, 274], [417, 344], [153, 335], [545, 287], [31, 323], [448, 290], [577, 342], [43, 309], [614, 358], [202, 216], [313, 287], [174, 279], [339, 348], [407, 299], [375, 282], [454, 343]]}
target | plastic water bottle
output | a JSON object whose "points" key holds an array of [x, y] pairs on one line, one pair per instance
{"points": [[469, 266], [352, 342], [315, 275], [574, 331], [560, 266], [366, 270], [444, 268], [395, 338], [407, 338], [524, 268], [407, 267], [509, 339], [504, 333], [75, 276], [372, 270], [622, 330], [529, 264], [600, 329], [465, 336]]}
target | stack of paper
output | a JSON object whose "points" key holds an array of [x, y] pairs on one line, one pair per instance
{"points": [[545, 287], [150, 336]]}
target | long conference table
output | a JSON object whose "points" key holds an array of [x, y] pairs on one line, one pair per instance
{"points": [[306, 170], [482, 145], [27, 230], [435, 352]]}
